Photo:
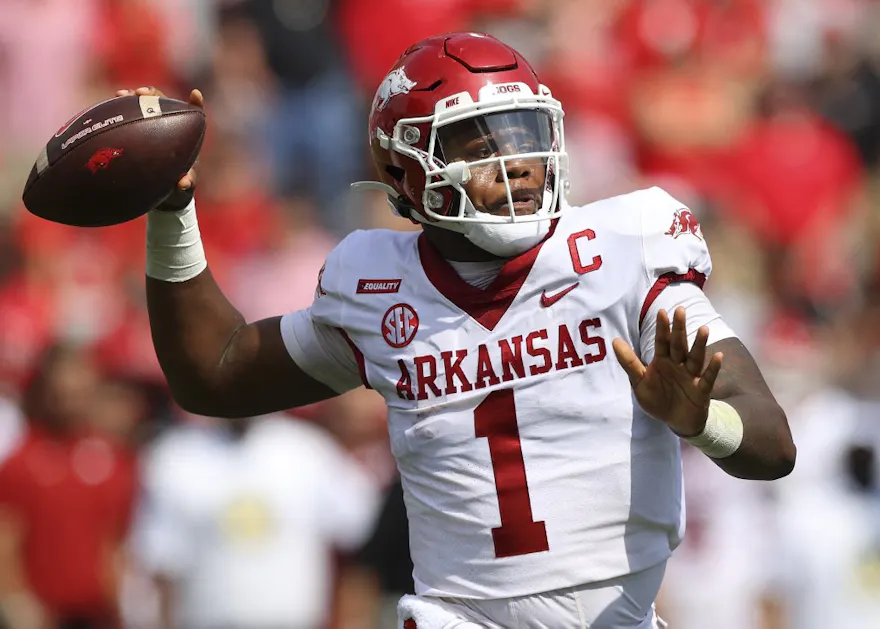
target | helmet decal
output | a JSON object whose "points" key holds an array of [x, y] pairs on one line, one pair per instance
{"points": [[395, 83]]}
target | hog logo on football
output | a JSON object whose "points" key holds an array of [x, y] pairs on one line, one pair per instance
{"points": [[685, 223], [395, 83], [399, 325], [102, 158]]}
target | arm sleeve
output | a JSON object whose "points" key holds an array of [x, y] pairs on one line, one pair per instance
{"points": [[321, 351], [674, 248], [699, 313], [676, 264], [315, 338]]}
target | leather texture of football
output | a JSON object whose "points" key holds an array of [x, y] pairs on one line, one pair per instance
{"points": [[115, 161]]}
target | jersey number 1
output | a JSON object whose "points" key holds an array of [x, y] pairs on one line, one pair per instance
{"points": [[519, 534]]}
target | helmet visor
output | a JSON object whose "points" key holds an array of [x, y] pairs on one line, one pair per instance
{"points": [[491, 136]]}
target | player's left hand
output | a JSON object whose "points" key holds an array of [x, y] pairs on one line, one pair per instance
{"points": [[674, 388]]}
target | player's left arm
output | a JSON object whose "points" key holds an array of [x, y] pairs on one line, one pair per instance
{"points": [[714, 396], [767, 450], [692, 372]]}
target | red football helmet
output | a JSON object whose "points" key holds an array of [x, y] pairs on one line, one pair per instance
{"points": [[469, 82]]}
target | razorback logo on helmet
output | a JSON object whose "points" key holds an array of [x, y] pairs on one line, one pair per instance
{"points": [[394, 84], [102, 158], [684, 223]]}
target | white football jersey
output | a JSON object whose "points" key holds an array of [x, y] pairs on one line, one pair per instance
{"points": [[526, 463]]}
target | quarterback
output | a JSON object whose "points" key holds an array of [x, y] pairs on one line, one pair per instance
{"points": [[540, 362]]}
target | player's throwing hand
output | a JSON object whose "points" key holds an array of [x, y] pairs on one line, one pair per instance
{"points": [[675, 388], [195, 98]]}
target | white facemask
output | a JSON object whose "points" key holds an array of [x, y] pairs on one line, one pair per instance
{"points": [[507, 240]]}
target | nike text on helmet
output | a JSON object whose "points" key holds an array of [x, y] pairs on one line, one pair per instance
{"points": [[466, 85]]}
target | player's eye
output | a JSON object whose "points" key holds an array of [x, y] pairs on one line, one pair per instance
{"points": [[479, 151], [484, 151]]}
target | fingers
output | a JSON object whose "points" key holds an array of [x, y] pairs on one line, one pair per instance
{"points": [[141, 91], [627, 358], [678, 341], [188, 180], [196, 98], [148, 91], [707, 382], [662, 335], [671, 341], [697, 356]]}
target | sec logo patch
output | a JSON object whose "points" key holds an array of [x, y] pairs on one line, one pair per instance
{"points": [[399, 325]]}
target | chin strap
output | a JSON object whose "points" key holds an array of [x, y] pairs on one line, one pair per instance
{"points": [[399, 205], [374, 185]]}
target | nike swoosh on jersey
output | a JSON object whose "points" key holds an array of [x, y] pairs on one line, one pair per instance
{"points": [[549, 300]]}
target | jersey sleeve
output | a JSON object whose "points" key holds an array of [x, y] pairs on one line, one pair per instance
{"points": [[316, 339], [699, 310], [674, 249], [677, 265]]}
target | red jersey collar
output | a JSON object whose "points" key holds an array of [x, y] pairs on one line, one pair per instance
{"points": [[488, 305]]}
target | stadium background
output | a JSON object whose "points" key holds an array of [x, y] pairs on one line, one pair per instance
{"points": [[762, 115]]}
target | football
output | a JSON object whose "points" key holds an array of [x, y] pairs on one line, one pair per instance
{"points": [[115, 161]]}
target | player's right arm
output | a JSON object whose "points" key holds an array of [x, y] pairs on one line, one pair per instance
{"points": [[215, 362]]}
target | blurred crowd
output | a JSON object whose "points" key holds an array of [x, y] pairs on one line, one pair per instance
{"points": [[119, 510]]}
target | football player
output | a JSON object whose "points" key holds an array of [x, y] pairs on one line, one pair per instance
{"points": [[540, 362]]}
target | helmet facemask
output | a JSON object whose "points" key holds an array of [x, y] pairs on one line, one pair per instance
{"points": [[512, 148], [509, 129]]}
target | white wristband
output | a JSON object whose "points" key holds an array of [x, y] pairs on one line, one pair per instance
{"points": [[174, 245], [723, 433]]}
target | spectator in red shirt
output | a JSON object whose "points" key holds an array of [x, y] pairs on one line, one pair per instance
{"points": [[65, 499]]}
